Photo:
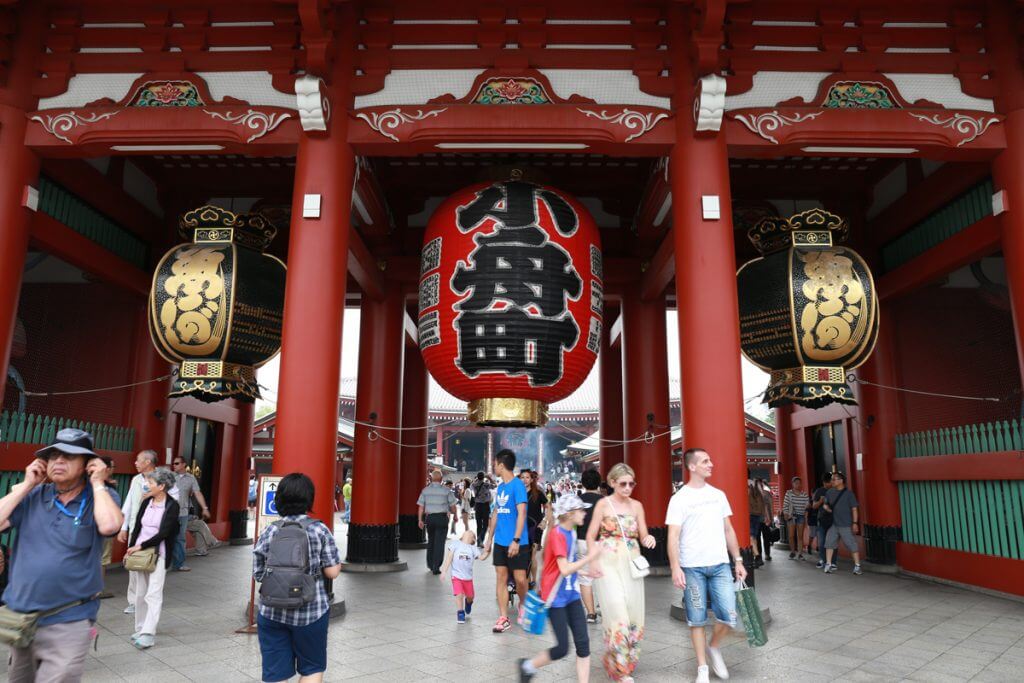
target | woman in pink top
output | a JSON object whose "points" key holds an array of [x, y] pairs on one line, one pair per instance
{"points": [[155, 526]]}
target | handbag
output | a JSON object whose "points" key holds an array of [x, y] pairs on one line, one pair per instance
{"points": [[774, 533], [18, 629], [750, 614], [142, 560], [639, 567]]}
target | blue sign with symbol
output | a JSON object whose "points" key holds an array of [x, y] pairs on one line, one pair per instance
{"points": [[269, 504]]}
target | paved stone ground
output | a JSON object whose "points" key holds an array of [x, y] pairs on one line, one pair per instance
{"points": [[401, 627]]}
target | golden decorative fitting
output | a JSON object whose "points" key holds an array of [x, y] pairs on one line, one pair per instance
{"points": [[508, 412], [772, 233]]}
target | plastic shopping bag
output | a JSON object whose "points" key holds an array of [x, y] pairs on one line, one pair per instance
{"points": [[535, 614], [750, 614]]}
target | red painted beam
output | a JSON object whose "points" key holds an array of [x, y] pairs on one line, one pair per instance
{"points": [[659, 272], [930, 195], [61, 241], [362, 265], [104, 196], [830, 413], [979, 240], [411, 333], [988, 571], [972, 467]]}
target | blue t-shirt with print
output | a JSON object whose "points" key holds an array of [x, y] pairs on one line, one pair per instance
{"points": [[506, 497], [568, 586]]}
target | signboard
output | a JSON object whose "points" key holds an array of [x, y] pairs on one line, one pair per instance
{"points": [[266, 506]]}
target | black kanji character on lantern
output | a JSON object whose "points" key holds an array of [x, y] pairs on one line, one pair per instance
{"points": [[513, 342], [522, 274], [513, 204]]}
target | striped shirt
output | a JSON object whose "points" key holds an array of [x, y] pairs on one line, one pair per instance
{"points": [[795, 503], [323, 552], [436, 498]]}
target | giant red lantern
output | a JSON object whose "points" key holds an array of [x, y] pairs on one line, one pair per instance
{"points": [[510, 299]]}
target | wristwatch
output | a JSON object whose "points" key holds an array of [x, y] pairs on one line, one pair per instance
{"points": [[737, 559]]}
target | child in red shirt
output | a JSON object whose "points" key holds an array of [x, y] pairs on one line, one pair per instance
{"points": [[559, 576]]}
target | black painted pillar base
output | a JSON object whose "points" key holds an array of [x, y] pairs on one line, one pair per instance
{"points": [[372, 543], [410, 535], [880, 543], [239, 520], [658, 557]]}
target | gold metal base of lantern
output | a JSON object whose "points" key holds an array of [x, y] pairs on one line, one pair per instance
{"points": [[508, 412], [810, 386]]}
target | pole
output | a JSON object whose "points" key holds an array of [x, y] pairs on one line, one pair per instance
{"points": [[610, 407]]}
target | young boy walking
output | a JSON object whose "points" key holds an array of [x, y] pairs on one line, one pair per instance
{"points": [[459, 559], [560, 575]]}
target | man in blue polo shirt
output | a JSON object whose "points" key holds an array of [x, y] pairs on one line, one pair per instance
{"points": [[508, 535], [56, 555]]}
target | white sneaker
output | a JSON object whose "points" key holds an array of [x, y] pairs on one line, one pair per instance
{"points": [[717, 663], [130, 609], [702, 675]]}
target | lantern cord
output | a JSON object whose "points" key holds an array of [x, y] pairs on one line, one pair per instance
{"points": [[372, 425], [374, 435], [854, 378], [91, 391], [647, 437]]}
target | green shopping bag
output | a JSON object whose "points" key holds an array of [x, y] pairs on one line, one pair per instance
{"points": [[750, 614]]}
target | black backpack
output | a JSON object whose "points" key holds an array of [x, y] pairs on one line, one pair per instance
{"points": [[287, 582]]}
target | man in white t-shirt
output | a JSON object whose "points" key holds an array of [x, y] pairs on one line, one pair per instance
{"points": [[701, 542]]}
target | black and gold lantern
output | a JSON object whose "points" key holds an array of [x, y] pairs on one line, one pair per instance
{"points": [[216, 305], [808, 308]]}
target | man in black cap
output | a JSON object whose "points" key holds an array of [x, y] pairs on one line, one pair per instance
{"points": [[62, 510]]}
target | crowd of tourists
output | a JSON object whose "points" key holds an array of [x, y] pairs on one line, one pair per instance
{"points": [[66, 513]]}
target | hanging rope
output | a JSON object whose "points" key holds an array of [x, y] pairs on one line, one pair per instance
{"points": [[648, 437], [374, 435], [98, 389], [854, 378]]}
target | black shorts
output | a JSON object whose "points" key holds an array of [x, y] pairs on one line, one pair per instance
{"points": [[520, 561]]}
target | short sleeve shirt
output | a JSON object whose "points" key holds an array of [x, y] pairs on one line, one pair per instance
{"points": [[842, 508], [560, 543], [53, 561], [506, 497], [187, 486], [699, 512], [323, 552], [463, 556], [436, 498]]}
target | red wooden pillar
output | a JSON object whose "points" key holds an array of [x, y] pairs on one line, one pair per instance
{"points": [[709, 337], [314, 306], [610, 406], [20, 167], [645, 380], [415, 394], [785, 453], [238, 500], [880, 421], [148, 404], [373, 531]]}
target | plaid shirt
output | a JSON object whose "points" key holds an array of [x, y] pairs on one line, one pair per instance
{"points": [[323, 552]]}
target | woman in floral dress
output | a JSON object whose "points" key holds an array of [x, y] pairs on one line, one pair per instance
{"points": [[620, 526]]}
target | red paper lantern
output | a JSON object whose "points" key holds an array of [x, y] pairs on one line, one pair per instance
{"points": [[510, 299]]}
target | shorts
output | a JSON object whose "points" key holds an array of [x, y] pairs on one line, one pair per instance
{"points": [[581, 552], [520, 562], [108, 552], [799, 519], [289, 649], [463, 587], [835, 533], [714, 583], [755, 524]]}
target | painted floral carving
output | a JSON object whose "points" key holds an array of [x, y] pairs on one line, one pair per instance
{"points": [[859, 95], [258, 121], [512, 91], [393, 118], [633, 120], [66, 122], [969, 127], [764, 124], [168, 94]]}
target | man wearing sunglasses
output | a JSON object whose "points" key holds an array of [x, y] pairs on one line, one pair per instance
{"points": [[187, 488], [62, 510]]}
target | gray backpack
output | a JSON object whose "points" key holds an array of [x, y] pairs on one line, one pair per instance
{"points": [[287, 582]]}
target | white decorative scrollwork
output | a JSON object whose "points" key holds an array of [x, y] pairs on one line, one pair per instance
{"points": [[709, 105], [968, 126], [632, 120], [762, 124], [259, 121], [312, 103], [62, 123], [393, 118]]}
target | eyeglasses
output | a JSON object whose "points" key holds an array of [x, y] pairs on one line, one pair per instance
{"points": [[629, 484]]}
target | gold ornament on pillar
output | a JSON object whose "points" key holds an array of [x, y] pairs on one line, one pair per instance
{"points": [[216, 304], [808, 308]]}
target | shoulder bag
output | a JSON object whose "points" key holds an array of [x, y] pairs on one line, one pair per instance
{"points": [[18, 629], [142, 560], [639, 567]]}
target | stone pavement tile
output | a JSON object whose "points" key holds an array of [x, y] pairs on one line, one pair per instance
{"points": [[888, 669], [955, 665], [932, 676], [861, 676], [829, 664], [101, 676], [158, 677]]}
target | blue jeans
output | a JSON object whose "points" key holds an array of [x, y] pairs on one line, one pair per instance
{"points": [[819, 533], [712, 584], [287, 650], [178, 554]]}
